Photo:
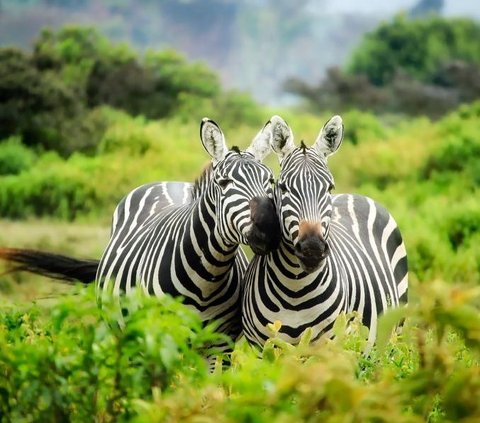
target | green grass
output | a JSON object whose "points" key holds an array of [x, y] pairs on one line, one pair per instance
{"points": [[82, 240]]}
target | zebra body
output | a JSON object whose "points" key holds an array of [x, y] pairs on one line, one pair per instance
{"points": [[338, 253], [183, 239], [151, 238]]}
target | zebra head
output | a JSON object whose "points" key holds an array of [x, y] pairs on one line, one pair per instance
{"points": [[303, 194], [242, 190]]}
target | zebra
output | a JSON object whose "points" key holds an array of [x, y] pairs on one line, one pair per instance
{"points": [[338, 253], [183, 239]]}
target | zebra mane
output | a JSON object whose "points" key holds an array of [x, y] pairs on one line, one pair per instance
{"points": [[303, 147], [201, 181]]}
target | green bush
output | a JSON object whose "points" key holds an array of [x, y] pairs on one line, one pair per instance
{"points": [[73, 366], [406, 66], [54, 187], [455, 155], [361, 125], [462, 223], [459, 148], [129, 135], [230, 109], [417, 47], [14, 156], [64, 362], [50, 97]]}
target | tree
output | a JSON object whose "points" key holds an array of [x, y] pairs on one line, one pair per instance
{"points": [[417, 47], [27, 96], [39, 107], [426, 7], [339, 91]]}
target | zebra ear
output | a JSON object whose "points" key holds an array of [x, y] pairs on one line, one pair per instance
{"points": [[330, 137], [260, 146], [282, 137], [213, 139]]}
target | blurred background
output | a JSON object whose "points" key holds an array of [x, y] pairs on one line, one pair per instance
{"points": [[98, 97], [253, 45]]}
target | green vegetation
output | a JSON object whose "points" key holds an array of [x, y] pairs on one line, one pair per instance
{"points": [[426, 174], [409, 66], [65, 362], [52, 97], [417, 47]]}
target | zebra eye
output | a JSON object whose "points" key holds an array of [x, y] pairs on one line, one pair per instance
{"points": [[224, 182], [331, 187], [272, 181], [282, 187]]}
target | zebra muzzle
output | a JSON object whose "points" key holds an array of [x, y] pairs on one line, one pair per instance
{"points": [[264, 235], [311, 251]]}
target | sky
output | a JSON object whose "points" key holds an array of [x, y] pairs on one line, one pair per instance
{"points": [[469, 8]]}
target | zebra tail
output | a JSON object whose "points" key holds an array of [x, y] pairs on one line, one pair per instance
{"points": [[56, 266]]}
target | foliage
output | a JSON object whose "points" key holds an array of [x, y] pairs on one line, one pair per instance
{"points": [[459, 148], [36, 106], [53, 187], [66, 361], [14, 157], [131, 151], [73, 365], [425, 174], [112, 74], [417, 47], [51, 97], [338, 91], [414, 67]]}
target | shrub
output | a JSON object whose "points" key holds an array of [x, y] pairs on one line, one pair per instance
{"points": [[230, 109], [66, 362], [361, 126], [14, 156], [52, 188], [75, 367], [417, 47], [462, 222], [460, 147], [130, 136], [413, 67]]}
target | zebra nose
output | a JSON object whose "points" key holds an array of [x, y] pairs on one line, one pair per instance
{"points": [[311, 251], [264, 235]]}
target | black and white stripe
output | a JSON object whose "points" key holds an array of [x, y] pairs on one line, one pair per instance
{"points": [[338, 253], [180, 238], [183, 239]]}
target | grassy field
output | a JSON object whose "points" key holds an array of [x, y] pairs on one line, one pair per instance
{"points": [[83, 240]]}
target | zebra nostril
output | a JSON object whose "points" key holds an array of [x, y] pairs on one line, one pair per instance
{"points": [[311, 251], [311, 245]]}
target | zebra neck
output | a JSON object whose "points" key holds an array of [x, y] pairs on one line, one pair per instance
{"points": [[201, 237]]}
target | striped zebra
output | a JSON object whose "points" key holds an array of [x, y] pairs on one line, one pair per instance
{"points": [[183, 239], [338, 253]]}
